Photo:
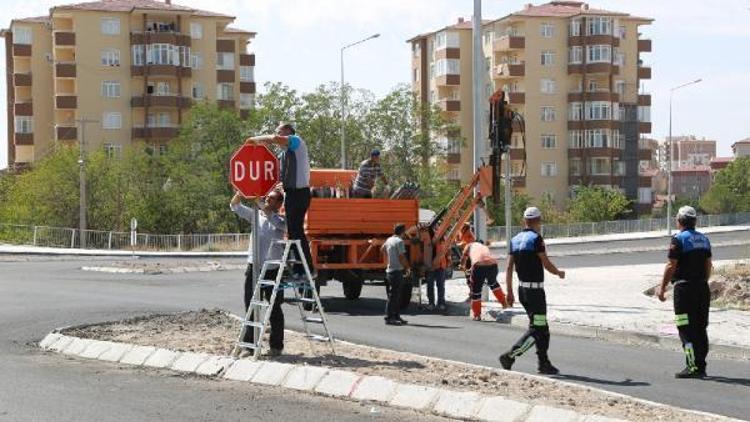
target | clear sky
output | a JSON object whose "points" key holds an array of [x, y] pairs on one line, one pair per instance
{"points": [[298, 44]]}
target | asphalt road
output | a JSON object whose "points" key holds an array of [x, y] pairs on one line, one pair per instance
{"points": [[41, 294]]}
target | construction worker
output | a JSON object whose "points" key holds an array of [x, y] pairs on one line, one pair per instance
{"points": [[529, 257], [689, 268], [465, 237], [295, 178], [271, 227], [483, 270], [394, 250], [435, 278], [369, 171]]}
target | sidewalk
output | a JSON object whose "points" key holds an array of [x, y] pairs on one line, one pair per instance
{"points": [[611, 299]]}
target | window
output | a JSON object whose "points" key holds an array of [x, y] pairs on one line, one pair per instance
{"points": [[620, 87], [599, 166], [644, 196], [111, 26], [225, 91], [593, 85], [196, 60], [575, 139], [24, 124], [225, 61], [112, 150], [110, 57], [415, 75], [162, 88], [198, 90], [548, 58], [488, 37], [619, 57], [112, 121], [22, 35], [447, 67], [598, 110], [599, 25], [548, 114], [547, 30], [446, 39], [139, 55], [618, 168], [548, 86], [574, 30], [162, 119], [166, 54], [185, 57], [163, 149], [549, 168], [575, 55], [575, 166], [111, 89], [599, 53], [644, 113], [549, 141], [453, 174], [575, 111], [247, 73], [621, 32], [618, 140], [597, 138], [454, 146], [246, 101], [196, 30]]}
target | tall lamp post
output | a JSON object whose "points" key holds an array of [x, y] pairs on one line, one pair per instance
{"points": [[343, 100], [671, 155]]}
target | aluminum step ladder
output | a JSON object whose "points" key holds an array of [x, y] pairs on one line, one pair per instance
{"points": [[305, 297]]}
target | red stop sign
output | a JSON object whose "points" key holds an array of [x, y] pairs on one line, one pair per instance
{"points": [[253, 170]]}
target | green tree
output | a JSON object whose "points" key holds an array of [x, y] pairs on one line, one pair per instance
{"points": [[730, 191], [593, 203]]}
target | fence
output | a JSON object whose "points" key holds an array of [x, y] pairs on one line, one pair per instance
{"points": [[59, 237], [497, 233]]}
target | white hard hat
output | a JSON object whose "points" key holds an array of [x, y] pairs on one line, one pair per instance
{"points": [[532, 212], [687, 211]]}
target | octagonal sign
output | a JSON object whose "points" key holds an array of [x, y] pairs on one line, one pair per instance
{"points": [[253, 170]]}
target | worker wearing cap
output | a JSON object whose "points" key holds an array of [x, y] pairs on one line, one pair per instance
{"points": [[483, 270], [689, 268], [295, 178], [529, 257], [369, 171]]}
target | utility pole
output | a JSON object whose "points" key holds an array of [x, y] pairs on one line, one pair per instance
{"points": [[480, 226], [82, 181]]}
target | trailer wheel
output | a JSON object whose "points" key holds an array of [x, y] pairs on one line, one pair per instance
{"points": [[352, 288]]}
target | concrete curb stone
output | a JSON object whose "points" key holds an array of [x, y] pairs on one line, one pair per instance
{"points": [[414, 396], [189, 361], [137, 355], [304, 378], [77, 346], [597, 418], [242, 370], [61, 344], [162, 358], [338, 383], [115, 352], [501, 409], [374, 388], [272, 373], [214, 365], [458, 404], [49, 340], [541, 413], [96, 349]]}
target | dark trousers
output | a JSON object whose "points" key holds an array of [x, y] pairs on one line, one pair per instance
{"points": [[435, 278], [277, 315], [534, 301], [481, 274], [691, 303], [394, 286], [296, 203]]}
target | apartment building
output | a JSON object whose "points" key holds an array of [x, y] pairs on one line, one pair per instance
{"points": [[572, 71], [689, 151], [741, 148], [118, 72]]}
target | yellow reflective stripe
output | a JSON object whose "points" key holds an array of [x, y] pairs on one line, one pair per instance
{"points": [[690, 354], [540, 320], [681, 320]]}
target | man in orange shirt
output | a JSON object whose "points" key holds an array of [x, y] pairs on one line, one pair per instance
{"points": [[435, 277], [483, 270]]}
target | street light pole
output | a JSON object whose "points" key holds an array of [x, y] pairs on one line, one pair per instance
{"points": [[671, 155], [82, 183], [343, 99], [478, 97]]}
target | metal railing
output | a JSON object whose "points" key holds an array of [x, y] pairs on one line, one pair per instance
{"points": [[60, 237], [497, 233]]}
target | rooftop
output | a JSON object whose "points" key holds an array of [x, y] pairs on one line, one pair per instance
{"points": [[130, 5], [461, 23], [569, 9], [745, 141]]}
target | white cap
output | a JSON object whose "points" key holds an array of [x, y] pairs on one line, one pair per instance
{"points": [[531, 213], [687, 211]]}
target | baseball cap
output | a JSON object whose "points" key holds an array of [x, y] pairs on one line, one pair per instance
{"points": [[375, 153], [687, 211], [532, 212]]}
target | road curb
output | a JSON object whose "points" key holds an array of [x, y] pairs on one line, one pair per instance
{"points": [[175, 270], [331, 382]]}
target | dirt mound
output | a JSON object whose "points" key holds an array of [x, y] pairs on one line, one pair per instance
{"points": [[731, 287]]}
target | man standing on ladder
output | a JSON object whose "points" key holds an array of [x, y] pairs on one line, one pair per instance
{"points": [[271, 227]]}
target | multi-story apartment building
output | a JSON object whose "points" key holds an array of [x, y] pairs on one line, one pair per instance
{"points": [[573, 72], [131, 68], [741, 148], [689, 151]]}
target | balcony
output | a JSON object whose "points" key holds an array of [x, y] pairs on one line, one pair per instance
{"points": [[644, 46], [506, 71], [65, 39], [645, 154], [644, 72], [644, 100], [509, 43], [156, 132], [225, 75], [23, 109], [65, 70], [577, 97], [160, 37], [449, 105], [161, 70], [644, 181], [22, 79], [23, 138], [247, 87], [595, 152], [448, 80], [168, 100], [453, 158], [448, 53], [226, 103], [22, 50], [247, 59], [225, 46], [644, 127], [518, 181], [593, 124], [66, 102], [516, 97], [593, 39], [66, 132]]}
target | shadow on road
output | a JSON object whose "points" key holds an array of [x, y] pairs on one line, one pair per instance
{"points": [[745, 382], [624, 383], [443, 327]]}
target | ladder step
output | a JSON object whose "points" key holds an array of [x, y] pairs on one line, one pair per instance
{"points": [[316, 337], [259, 303], [279, 262], [252, 324], [300, 300], [247, 345], [267, 283], [313, 319]]}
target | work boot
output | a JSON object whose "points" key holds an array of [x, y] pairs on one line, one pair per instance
{"points": [[402, 321], [506, 361], [690, 373], [546, 368], [274, 352]]}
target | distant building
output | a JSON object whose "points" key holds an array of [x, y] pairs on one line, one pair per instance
{"points": [[690, 151], [741, 148], [691, 181], [719, 163]]}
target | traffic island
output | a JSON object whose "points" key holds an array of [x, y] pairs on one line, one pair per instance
{"points": [[199, 342], [153, 267]]}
